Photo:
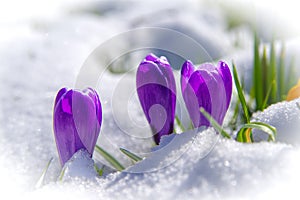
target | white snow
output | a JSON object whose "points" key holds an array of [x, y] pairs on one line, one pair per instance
{"points": [[40, 52], [285, 116], [80, 165]]}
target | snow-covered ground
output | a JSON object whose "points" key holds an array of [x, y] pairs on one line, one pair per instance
{"points": [[44, 49]]}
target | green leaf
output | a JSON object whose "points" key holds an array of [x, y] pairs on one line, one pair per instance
{"points": [[281, 75], [270, 130], [42, 177], [241, 94], [234, 119], [214, 123], [257, 75], [245, 135], [99, 170], [178, 122], [131, 155], [109, 158], [292, 80], [265, 73], [273, 70], [62, 174], [268, 94]]}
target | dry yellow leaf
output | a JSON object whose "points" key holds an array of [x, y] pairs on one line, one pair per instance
{"points": [[294, 92]]}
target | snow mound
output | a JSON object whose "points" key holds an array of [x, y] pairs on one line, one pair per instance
{"points": [[80, 165], [285, 117], [209, 167]]}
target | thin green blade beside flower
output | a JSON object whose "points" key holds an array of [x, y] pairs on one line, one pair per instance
{"points": [[257, 75], [131, 155], [273, 70], [109, 158], [214, 123], [241, 94], [42, 177], [245, 136], [281, 75]]}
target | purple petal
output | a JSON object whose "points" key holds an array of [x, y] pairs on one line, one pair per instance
{"points": [[64, 128], [158, 103], [216, 91], [76, 124], [208, 87], [166, 69], [151, 57], [157, 94], [195, 96], [225, 73], [86, 120], [61, 92], [186, 72], [93, 94], [150, 73], [158, 71]]}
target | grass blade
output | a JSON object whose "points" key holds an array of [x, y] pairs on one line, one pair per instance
{"points": [[265, 73], [131, 155], [257, 75], [109, 158], [281, 75], [99, 170], [178, 122], [273, 74], [214, 123], [241, 94], [234, 119], [62, 174], [42, 177], [270, 130], [268, 94], [244, 135], [292, 80]]}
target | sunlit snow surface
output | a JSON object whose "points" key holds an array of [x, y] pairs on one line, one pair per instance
{"points": [[38, 57]]}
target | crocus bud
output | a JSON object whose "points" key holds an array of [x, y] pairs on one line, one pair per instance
{"points": [[77, 119], [157, 94], [209, 87]]}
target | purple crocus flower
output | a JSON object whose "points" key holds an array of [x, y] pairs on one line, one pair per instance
{"points": [[157, 93], [209, 87], [77, 119]]}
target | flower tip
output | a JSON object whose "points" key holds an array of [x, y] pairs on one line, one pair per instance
{"points": [[163, 60], [60, 93], [151, 57], [187, 68], [157, 60], [222, 64]]}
